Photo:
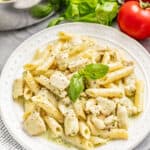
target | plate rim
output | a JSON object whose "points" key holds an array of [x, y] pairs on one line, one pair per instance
{"points": [[16, 138]]}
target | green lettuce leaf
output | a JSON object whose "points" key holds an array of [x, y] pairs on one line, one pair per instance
{"points": [[97, 11], [106, 12]]}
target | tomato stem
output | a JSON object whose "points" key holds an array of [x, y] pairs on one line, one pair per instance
{"points": [[144, 4]]}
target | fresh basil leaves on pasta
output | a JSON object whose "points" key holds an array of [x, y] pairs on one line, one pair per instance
{"points": [[76, 86], [95, 71], [91, 71]]}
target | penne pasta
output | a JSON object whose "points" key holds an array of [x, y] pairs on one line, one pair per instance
{"points": [[27, 92], [118, 134], [71, 125], [79, 142], [97, 140], [29, 106], [115, 66], [119, 74], [138, 101], [122, 115], [64, 36], [43, 81], [48, 107], [78, 107], [84, 130], [113, 134], [54, 126], [50, 60], [30, 67], [92, 128], [37, 54], [49, 96], [18, 87], [77, 50], [43, 56], [106, 58], [30, 81], [105, 92], [77, 63]]}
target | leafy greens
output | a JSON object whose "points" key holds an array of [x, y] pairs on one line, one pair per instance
{"points": [[96, 11]]}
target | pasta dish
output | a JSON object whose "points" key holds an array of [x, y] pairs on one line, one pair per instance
{"points": [[79, 91]]}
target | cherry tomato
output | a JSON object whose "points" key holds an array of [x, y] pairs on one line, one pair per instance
{"points": [[134, 20]]}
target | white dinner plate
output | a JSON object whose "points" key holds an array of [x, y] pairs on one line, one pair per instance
{"points": [[12, 113]]}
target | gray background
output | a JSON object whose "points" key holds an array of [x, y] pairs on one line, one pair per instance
{"points": [[8, 42]]}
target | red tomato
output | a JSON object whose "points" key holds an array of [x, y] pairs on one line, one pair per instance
{"points": [[134, 20], [138, 0], [131, 0]]}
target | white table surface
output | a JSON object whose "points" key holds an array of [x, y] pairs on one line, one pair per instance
{"points": [[8, 42]]}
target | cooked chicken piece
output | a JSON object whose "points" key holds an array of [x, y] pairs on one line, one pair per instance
{"points": [[125, 101], [92, 107], [59, 81], [77, 63], [130, 87], [107, 106], [65, 109], [44, 81], [110, 120], [34, 124], [98, 123], [61, 60], [46, 94]]}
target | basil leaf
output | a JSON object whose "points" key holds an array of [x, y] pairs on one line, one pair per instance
{"points": [[41, 10], [55, 21], [91, 71], [76, 87], [95, 71]]}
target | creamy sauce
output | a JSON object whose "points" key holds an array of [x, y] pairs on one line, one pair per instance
{"points": [[48, 135]]}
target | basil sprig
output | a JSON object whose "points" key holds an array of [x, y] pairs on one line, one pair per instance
{"points": [[94, 71], [91, 71], [76, 86], [41, 10]]}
